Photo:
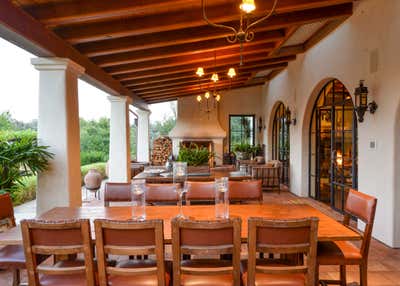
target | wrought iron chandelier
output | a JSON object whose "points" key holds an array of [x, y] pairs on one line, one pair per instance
{"points": [[214, 94], [243, 34]]}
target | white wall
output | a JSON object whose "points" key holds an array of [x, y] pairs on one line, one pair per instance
{"points": [[345, 55]]}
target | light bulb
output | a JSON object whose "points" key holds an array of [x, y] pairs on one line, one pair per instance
{"points": [[199, 98], [214, 77], [248, 6], [207, 95], [231, 72], [200, 71], [218, 98]]}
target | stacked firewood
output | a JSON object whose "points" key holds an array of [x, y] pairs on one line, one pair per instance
{"points": [[162, 149]]}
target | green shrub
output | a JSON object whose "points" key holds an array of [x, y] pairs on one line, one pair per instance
{"points": [[101, 167], [93, 157], [12, 135], [24, 191], [194, 155]]}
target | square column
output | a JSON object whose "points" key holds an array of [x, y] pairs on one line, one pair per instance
{"points": [[143, 138], [58, 128], [119, 164]]}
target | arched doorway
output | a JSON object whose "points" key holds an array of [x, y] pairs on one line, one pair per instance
{"points": [[333, 146], [281, 141]]}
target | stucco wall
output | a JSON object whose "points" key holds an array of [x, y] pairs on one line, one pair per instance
{"points": [[346, 55]]}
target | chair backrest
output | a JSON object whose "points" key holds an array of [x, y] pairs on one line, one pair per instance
{"points": [[270, 175], [200, 191], [161, 193], [117, 192], [206, 238], [297, 236], [129, 238], [363, 207], [57, 238], [249, 190], [6, 211]]}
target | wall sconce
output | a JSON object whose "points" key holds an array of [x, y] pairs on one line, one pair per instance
{"points": [[362, 105], [260, 124], [288, 119]]}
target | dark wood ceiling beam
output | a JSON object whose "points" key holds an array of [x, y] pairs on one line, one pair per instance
{"points": [[169, 97], [78, 11], [24, 31], [190, 75], [181, 50], [205, 59], [233, 61], [206, 79], [191, 18]]}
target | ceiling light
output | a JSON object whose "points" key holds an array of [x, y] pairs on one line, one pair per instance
{"points": [[199, 98], [200, 71], [207, 95], [248, 6], [218, 97], [214, 77], [231, 72]]}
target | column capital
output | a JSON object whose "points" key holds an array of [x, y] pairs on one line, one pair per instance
{"points": [[142, 112], [46, 64], [122, 99]]}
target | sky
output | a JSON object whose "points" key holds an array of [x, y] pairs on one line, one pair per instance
{"points": [[19, 88]]}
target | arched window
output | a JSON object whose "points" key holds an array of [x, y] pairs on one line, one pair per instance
{"points": [[281, 141], [333, 146]]}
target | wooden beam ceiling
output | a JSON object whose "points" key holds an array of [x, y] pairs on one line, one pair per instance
{"points": [[151, 48]]}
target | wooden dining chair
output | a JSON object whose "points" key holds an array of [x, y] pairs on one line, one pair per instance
{"points": [[206, 240], [245, 191], [161, 193], [117, 192], [131, 238], [269, 175], [281, 237], [342, 253], [11, 256], [200, 192], [63, 238]]}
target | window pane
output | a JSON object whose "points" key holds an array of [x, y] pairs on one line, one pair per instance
{"points": [[241, 130]]}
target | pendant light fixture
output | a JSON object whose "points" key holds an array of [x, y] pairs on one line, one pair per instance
{"points": [[244, 33]]}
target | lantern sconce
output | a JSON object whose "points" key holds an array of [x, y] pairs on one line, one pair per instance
{"points": [[288, 117], [362, 105], [260, 124]]}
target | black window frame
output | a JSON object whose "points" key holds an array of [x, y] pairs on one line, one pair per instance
{"points": [[253, 136]]}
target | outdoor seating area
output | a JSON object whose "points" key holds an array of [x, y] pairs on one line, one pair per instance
{"points": [[273, 161]]}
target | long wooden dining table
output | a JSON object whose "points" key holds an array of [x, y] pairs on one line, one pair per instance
{"points": [[328, 229]]}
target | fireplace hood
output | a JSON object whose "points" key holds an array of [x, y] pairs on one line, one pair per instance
{"points": [[194, 123]]}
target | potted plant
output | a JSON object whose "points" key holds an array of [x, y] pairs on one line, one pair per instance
{"points": [[21, 157], [197, 158], [243, 151]]}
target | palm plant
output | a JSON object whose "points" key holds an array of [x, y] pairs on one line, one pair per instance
{"points": [[21, 157]]}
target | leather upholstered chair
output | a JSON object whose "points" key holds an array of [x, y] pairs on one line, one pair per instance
{"points": [[130, 238], [117, 192], [244, 191], [344, 253], [161, 193], [284, 237], [203, 239], [11, 256], [71, 237], [200, 191]]}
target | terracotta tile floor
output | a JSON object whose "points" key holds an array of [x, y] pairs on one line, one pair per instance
{"points": [[384, 262]]}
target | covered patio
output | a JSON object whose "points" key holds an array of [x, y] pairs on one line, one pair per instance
{"points": [[312, 90]]}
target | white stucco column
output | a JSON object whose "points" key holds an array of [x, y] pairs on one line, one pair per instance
{"points": [[143, 140], [58, 128], [120, 152]]}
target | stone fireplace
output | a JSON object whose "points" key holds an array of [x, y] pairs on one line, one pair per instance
{"points": [[195, 125]]}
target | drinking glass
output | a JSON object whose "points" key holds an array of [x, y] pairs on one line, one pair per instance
{"points": [[221, 198], [138, 195], [181, 190], [179, 176]]}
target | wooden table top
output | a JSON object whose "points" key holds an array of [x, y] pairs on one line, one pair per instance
{"points": [[328, 230]]}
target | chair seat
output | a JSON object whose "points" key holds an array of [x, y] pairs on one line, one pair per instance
{"points": [[206, 280], [12, 256], [63, 280], [139, 279], [338, 253], [296, 279]]}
